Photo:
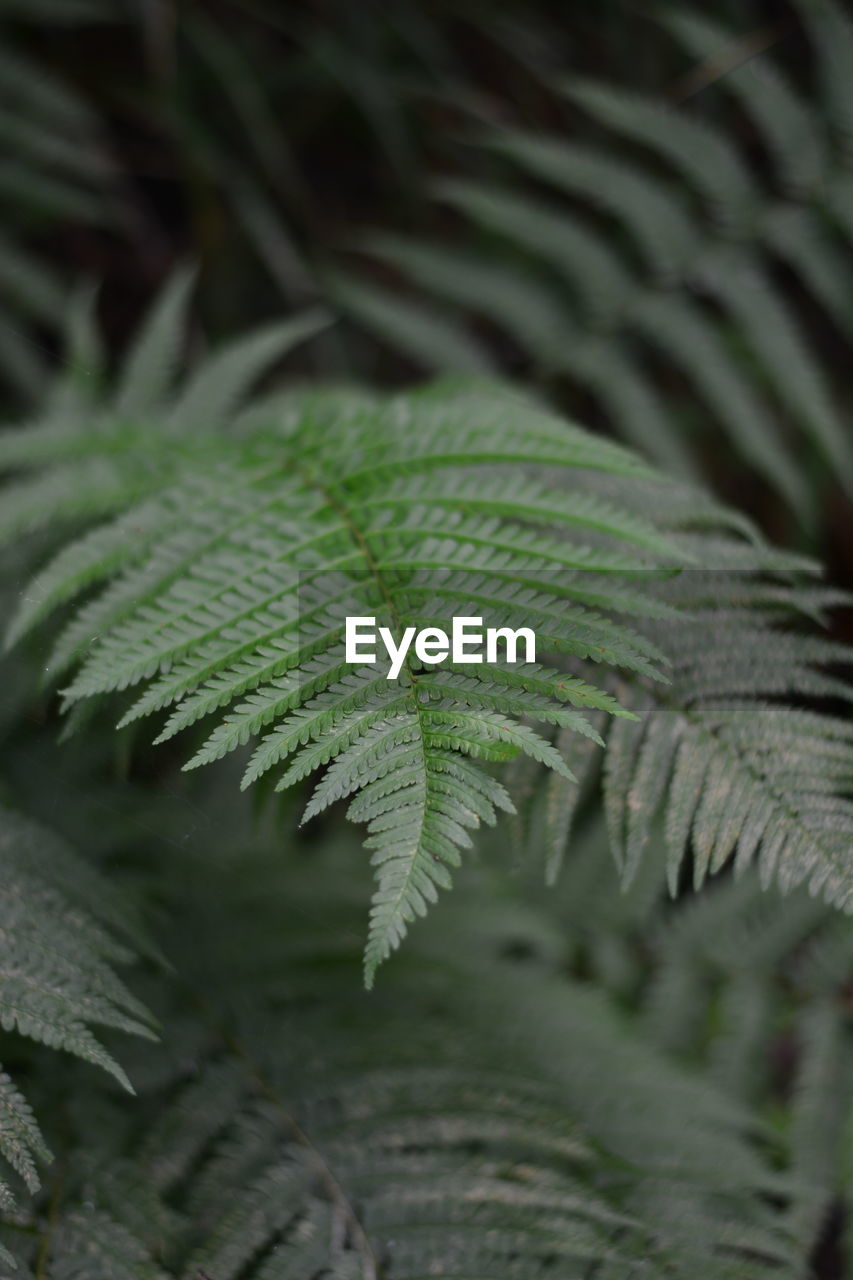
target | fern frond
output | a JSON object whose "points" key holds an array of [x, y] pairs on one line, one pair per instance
{"points": [[831, 31], [576, 251], [235, 582], [456, 1130], [787, 124], [58, 979], [430, 337], [92, 1245], [21, 1142], [230, 589], [680, 263], [246, 599], [652, 213], [740, 980], [55, 169], [58, 926], [704, 158], [740, 775], [478, 285]]}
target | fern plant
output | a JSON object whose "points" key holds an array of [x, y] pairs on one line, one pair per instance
{"points": [[242, 552], [664, 257], [745, 981], [744, 985], [444, 1124], [56, 170], [740, 770], [579, 1064], [62, 928]]}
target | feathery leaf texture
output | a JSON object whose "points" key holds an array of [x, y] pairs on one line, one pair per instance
{"points": [[60, 926], [736, 980], [232, 577], [455, 1130], [572, 1077], [734, 752], [668, 252], [243, 551], [755, 952]]}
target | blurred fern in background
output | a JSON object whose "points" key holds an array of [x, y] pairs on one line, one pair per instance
{"points": [[54, 169], [667, 264]]}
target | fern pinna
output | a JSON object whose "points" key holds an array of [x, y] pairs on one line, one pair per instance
{"points": [[236, 550]]}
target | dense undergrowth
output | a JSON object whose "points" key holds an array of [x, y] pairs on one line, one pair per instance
{"points": [[421, 312]]}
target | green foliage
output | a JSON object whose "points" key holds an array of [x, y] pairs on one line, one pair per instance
{"points": [[444, 1123], [59, 930], [738, 983], [55, 169], [616, 1049], [243, 551], [664, 255], [237, 580], [742, 772]]}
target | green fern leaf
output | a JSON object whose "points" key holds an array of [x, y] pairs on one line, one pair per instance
{"points": [[57, 946], [681, 269], [229, 581]]}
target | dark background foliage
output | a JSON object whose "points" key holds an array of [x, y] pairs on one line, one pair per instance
{"points": [[263, 140]]}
